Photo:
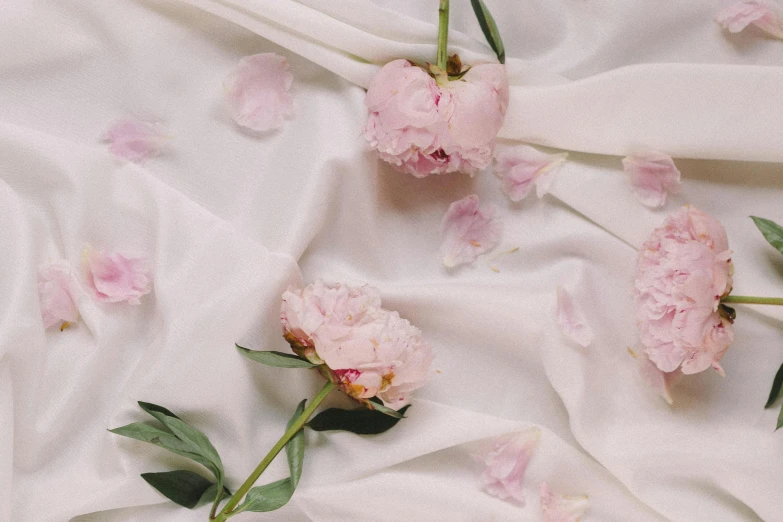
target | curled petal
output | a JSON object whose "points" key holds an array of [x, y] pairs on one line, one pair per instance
{"points": [[55, 290], [762, 13], [505, 465], [468, 231], [134, 140], [572, 320], [561, 508], [658, 381], [652, 176], [256, 92], [522, 166], [113, 277]]}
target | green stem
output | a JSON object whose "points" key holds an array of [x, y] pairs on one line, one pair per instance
{"points": [[297, 425], [747, 299], [443, 34]]}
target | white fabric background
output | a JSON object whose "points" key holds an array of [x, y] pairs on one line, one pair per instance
{"points": [[230, 219]]}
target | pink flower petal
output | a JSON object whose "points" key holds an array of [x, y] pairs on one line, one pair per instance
{"points": [[561, 508], [762, 13], [468, 231], [256, 92], [114, 277], [506, 464], [55, 290], [658, 381], [572, 320], [652, 175], [522, 166], [134, 140]]}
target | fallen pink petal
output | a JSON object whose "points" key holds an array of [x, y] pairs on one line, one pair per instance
{"points": [[652, 176], [572, 320], [561, 508], [257, 92], [522, 167], [56, 292], [468, 230], [505, 465], [113, 277], [763, 14], [135, 140]]}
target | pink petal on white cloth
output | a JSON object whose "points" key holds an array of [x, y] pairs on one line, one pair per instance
{"points": [[55, 290], [572, 320], [256, 92], [561, 508], [113, 277], [506, 464], [658, 381], [652, 176], [762, 13], [134, 140], [522, 166], [468, 231]]}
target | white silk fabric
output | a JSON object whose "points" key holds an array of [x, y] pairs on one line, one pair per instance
{"points": [[229, 219]]}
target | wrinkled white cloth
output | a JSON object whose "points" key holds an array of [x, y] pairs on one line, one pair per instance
{"points": [[229, 220]]}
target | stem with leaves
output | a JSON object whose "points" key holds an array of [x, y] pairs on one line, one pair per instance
{"points": [[443, 34]]}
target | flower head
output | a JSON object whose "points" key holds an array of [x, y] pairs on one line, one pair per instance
{"points": [[652, 176], [764, 14], [134, 140], [423, 126], [507, 462], [113, 277], [368, 351], [684, 270], [468, 231], [522, 166], [256, 92], [55, 290]]}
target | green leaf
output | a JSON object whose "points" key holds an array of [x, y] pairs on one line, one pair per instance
{"points": [[295, 448], [377, 405], [361, 421], [155, 410], [777, 383], [268, 497], [182, 487], [489, 28], [276, 359], [780, 418], [209, 495], [197, 443], [772, 232]]}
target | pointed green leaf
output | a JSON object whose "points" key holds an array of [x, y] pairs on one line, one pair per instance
{"points": [[276, 359], [377, 405], [182, 487], [489, 28], [772, 232], [780, 418], [295, 448], [156, 411], [209, 495], [777, 383], [197, 443], [268, 497], [360, 421]]}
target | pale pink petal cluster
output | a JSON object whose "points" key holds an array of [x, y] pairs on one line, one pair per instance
{"points": [[257, 92], [764, 14], [423, 127], [652, 176], [561, 508], [505, 465], [56, 293], [656, 380], [572, 320], [370, 351], [684, 270], [468, 231], [522, 167], [113, 277], [135, 140]]}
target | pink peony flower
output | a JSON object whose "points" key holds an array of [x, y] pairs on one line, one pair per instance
{"points": [[113, 277], [684, 270], [561, 508], [134, 140], [507, 462], [762, 13], [55, 290], [468, 231], [652, 175], [522, 166], [369, 351], [423, 126], [572, 320], [256, 92]]}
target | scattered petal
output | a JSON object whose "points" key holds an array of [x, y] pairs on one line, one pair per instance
{"points": [[762, 13], [55, 289], [507, 462], [468, 231], [572, 320], [561, 508], [114, 277], [135, 140], [256, 92], [652, 175], [522, 166]]}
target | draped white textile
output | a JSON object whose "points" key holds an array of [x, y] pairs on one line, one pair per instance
{"points": [[230, 219]]}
